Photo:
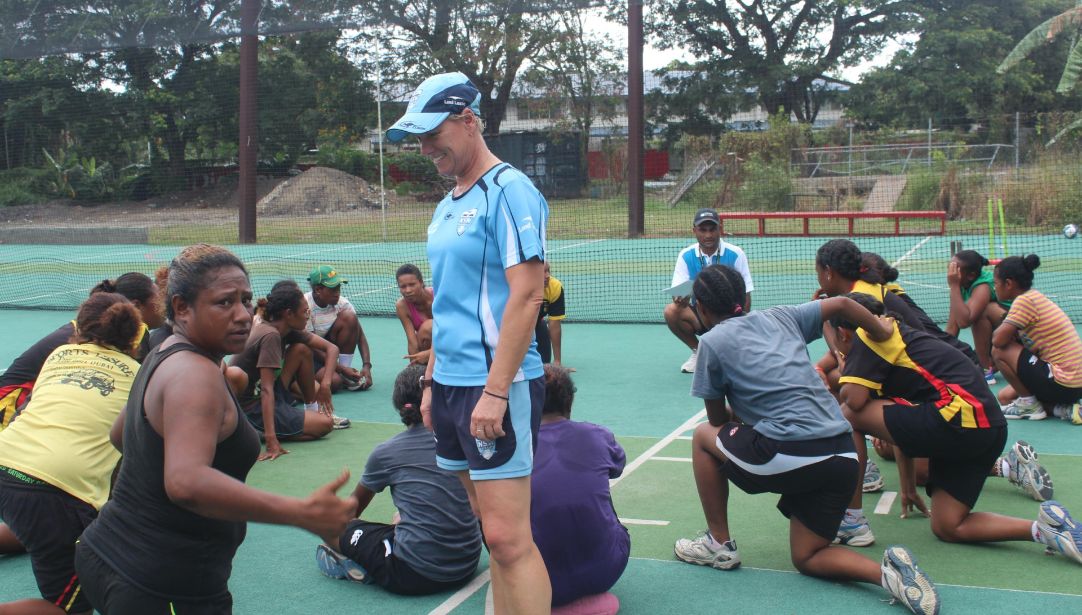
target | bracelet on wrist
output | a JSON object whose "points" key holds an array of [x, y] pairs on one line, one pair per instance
{"points": [[367, 364], [491, 394]]}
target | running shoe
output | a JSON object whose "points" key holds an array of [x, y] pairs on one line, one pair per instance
{"points": [[1068, 412], [689, 366], [873, 480], [351, 384], [855, 533], [907, 582], [1059, 531], [990, 376], [698, 551], [1033, 411], [1027, 473], [337, 566], [341, 422]]}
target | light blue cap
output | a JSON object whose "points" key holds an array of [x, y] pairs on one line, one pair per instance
{"points": [[435, 99]]}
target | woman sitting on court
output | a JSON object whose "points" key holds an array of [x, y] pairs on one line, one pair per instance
{"points": [[17, 382], [935, 404], [165, 541], [1037, 348], [56, 460], [787, 436], [277, 356], [571, 473], [435, 542], [973, 303], [414, 311]]}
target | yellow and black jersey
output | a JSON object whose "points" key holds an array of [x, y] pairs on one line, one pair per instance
{"points": [[914, 366], [552, 304]]}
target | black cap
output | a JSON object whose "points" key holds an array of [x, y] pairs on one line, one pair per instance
{"points": [[706, 215]]}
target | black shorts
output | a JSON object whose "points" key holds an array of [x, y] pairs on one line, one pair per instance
{"points": [[48, 521], [510, 456], [372, 546], [815, 478], [112, 595], [959, 459], [1037, 376], [544, 342], [288, 419]]}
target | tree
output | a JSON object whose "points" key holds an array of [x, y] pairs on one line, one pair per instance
{"points": [[582, 70], [486, 40], [781, 49], [950, 72]]}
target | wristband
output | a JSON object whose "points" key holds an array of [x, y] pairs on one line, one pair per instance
{"points": [[491, 394], [367, 364]]}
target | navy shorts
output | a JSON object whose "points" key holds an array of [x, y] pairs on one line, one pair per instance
{"points": [[288, 419], [959, 458], [1036, 374], [48, 521], [510, 456], [815, 478]]}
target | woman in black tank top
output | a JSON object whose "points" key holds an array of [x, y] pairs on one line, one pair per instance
{"points": [[166, 540]]}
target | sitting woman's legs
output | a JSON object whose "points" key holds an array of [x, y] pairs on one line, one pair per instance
{"points": [[297, 368]]}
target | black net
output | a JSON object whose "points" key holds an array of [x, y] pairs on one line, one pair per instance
{"points": [[115, 158]]}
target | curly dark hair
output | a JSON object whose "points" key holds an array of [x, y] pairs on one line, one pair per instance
{"points": [[409, 269], [284, 295], [721, 289], [878, 266], [406, 396], [559, 391], [843, 257], [1018, 269], [971, 261], [869, 303], [107, 319]]}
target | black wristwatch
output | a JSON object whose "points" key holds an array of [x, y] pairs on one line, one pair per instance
{"points": [[426, 383]]}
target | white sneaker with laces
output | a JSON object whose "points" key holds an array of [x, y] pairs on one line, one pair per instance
{"points": [[698, 551], [1018, 409], [689, 366], [907, 583]]}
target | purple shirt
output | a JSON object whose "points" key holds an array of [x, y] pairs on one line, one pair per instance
{"points": [[574, 524]]}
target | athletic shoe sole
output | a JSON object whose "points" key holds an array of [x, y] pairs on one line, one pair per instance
{"points": [[908, 583], [340, 422], [336, 566], [872, 486], [1060, 531], [1036, 415], [1033, 478]]}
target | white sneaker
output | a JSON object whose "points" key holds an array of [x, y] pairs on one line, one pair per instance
{"points": [[689, 366], [698, 551], [854, 533], [907, 583], [1027, 473], [1033, 411]]}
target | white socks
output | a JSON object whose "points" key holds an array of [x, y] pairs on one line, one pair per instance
{"points": [[312, 407], [854, 514], [345, 360]]}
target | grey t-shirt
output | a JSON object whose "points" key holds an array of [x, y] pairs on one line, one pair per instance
{"points": [[438, 535], [760, 363]]}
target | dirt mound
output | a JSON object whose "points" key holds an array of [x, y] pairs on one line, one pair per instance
{"points": [[321, 190]]}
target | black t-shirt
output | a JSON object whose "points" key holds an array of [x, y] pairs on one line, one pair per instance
{"points": [[28, 365]]}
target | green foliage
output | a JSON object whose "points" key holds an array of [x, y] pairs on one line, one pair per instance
{"points": [[773, 145], [1070, 21], [921, 190], [24, 186], [767, 186]]}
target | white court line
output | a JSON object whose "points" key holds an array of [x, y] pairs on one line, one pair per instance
{"points": [[372, 292], [48, 295], [462, 595], [350, 246], [683, 459], [575, 245], [629, 521], [677, 562], [688, 438], [490, 605], [885, 502], [655, 449], [911, 251]]}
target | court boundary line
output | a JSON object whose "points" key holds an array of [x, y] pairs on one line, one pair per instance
{"points": [[658, 447], [978, 587], [911, 251], [459, 597]]}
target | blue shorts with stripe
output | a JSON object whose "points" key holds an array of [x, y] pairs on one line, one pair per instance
{"points": [[509, 456]]}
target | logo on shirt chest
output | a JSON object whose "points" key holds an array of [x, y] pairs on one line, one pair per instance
{"points": [[466, 219]]}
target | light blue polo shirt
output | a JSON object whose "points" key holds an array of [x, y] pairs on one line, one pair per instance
{"points": [[497, 224]]}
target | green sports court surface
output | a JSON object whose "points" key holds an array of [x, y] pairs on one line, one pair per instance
{"points": [[628, 380]]}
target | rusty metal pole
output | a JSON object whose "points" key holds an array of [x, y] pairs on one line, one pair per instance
{"points": [[248, 150], [636, 216]]}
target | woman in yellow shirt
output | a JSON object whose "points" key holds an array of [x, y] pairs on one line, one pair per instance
{"points": [[56, 459]]}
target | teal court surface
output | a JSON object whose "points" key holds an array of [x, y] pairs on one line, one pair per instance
{"points": [[628, 380]]}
